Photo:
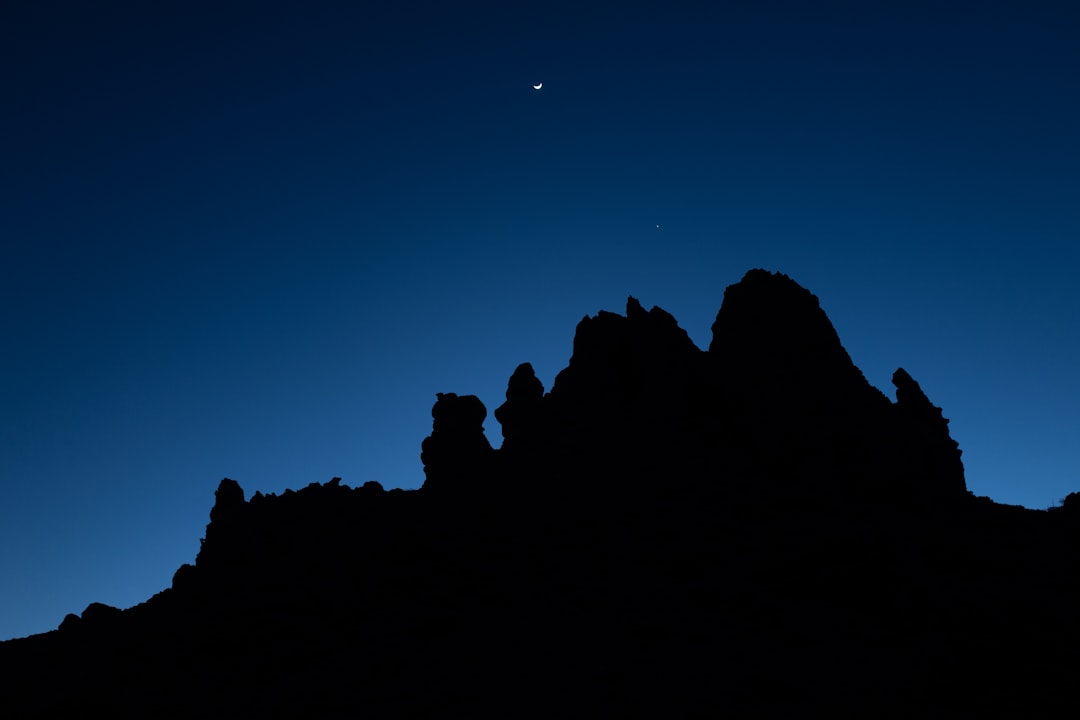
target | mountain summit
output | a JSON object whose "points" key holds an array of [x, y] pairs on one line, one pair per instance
{"points": [[751, 528]]}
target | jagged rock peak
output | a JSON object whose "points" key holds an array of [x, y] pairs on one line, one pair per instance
{"points": [[522, 413], [226, 516], [773, 312], [930, 446], [776, 369], [611, 350], [659, 319], [910, 395], [772, 332], [227, 499]]}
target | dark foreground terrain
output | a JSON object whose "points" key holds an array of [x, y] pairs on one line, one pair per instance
{"points": [[750, 529]]}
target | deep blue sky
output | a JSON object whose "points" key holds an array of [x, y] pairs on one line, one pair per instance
{"points": [[254, 239]]}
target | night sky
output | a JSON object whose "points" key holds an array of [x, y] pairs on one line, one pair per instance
{"points": [[253, 240]]}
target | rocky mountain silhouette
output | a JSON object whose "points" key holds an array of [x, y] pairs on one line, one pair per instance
{"points": [[751, 528]]}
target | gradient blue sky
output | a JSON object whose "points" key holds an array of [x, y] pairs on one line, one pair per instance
{"points": [[254, 239]]}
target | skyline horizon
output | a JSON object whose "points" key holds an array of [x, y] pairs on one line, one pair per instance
{"points": [[254, 241]]}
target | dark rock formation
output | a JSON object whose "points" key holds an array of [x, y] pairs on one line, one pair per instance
{"points": [[642, 364], [522, 416], [457, 452], [228, 501], [747, 530], [931, 453], [772, 336]]}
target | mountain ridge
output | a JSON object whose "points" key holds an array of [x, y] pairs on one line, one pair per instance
{"points": [[758, 499]]}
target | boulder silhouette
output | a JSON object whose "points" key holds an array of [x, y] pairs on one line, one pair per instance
{"points": [[457, 453]]}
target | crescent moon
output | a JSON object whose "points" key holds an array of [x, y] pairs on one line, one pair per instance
{"points": [[537, 86]]}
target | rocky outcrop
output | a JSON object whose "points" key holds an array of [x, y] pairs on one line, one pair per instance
{"points": [[772, 336], [97, 617], [774, 408], [632, 385], [457, 454], [625, 371], [747, 530], [928, 451], [523, 417]]}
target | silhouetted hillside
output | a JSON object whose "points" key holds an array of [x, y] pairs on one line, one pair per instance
{"points": [[753, 528]]}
